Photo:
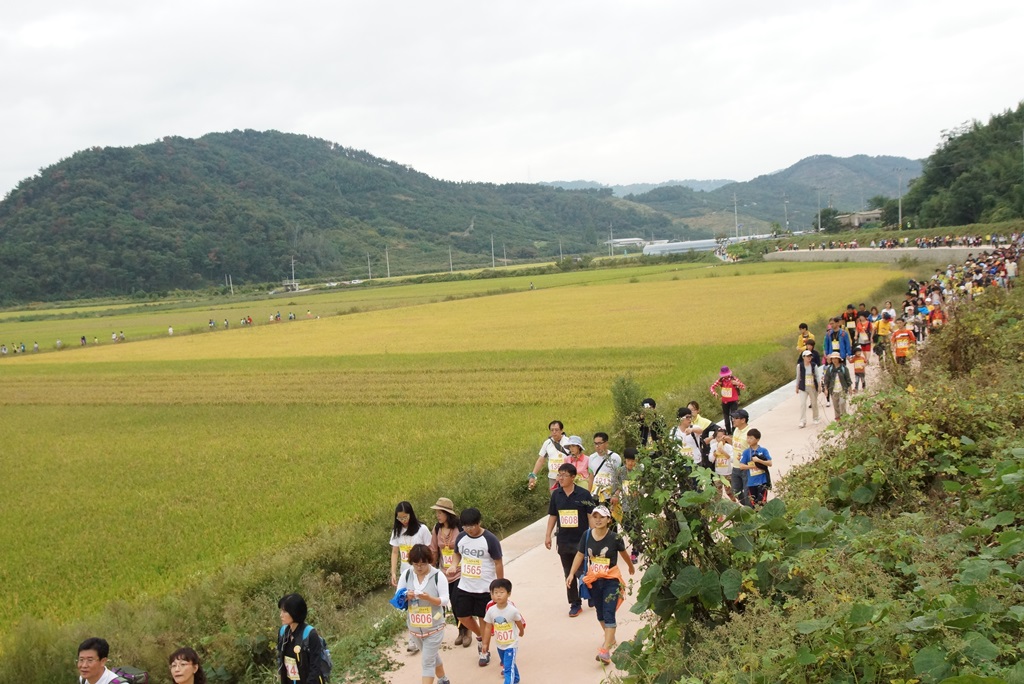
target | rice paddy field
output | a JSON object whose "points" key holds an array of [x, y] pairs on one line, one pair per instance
{"points": [[131, 469]]}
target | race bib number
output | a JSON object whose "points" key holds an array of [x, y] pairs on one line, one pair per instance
{"points": [[757, 471], [291, 669], [603, 481], [727, 393], [902, 343], [421, 616], [568, 518], [504, 633], [553, 464], [937, 322], [722, 459], [472, 568], [850, 325], [863, 338], [403, 552], [601, 564], [447, 558]]}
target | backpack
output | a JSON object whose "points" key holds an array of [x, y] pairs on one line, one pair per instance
{"points": [[129, 675], [323, 668]]}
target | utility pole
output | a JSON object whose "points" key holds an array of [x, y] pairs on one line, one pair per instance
{"points": [[387, 260], [560, 257], [611, 238], [492, 250], [785, 207], [369, 273], [231, 284], [451, 269], [899, 190], [819, 209], [736, 215], [504, 256]]}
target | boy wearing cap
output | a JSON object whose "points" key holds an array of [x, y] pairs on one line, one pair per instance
{"points": [[727, 388], [569, 510], [601, 548], [837, 370]]}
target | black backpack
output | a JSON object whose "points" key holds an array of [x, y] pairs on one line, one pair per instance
{"points": [[323, 668]]}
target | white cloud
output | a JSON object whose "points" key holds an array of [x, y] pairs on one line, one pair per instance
{"points": [[616, 92]]}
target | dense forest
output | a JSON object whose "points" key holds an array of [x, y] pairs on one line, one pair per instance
{"points": [[184, 213], [975, 176]]}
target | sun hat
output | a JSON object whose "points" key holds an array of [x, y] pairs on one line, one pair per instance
{"points": [[446, 505], [835, 355], [575, 440], [602, 510], [724, 372], [807, 352]]}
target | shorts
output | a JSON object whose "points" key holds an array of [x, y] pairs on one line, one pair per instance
{"points": [[605, 594], [468, 604]]}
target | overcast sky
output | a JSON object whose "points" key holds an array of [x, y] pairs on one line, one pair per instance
{"points": [[620, 92]]}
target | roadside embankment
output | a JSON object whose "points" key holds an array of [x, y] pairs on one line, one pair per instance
{"points": [[952, 255]]}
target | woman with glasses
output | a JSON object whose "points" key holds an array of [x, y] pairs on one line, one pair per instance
{"points": [[406, 532]]}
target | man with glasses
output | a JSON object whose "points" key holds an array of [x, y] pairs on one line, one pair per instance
{"points": [[92, 663], [568, 510], [602, 466]]}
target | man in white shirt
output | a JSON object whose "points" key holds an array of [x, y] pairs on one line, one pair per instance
{"points": [[553, 453], [602, 464], [92, 662]]}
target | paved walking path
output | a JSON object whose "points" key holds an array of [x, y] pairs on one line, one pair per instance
{"points": [[557, 648]]}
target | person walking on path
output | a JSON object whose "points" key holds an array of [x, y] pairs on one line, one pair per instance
{"points": [[406, 532], [807, 386], [739, 443], [600, 547], [727, 388], [569, 510], [426, 595], [442, 545], [505, 621], [300, 648], [478, 554], [837, 370], [758, 460], [553, 453], [602, 465]]}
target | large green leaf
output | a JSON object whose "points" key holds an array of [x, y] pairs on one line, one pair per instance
{"points": [[732, 582], [710, 590], [687, 583], [930, 663], [977, 647]]}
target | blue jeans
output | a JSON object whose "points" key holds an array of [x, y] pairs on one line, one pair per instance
{"points": [[509, 669], [604, 595]]}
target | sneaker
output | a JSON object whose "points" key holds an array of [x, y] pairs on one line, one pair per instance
{"points": [[604, 656], [412, 648], [816, 421], [484, 659], [574, 611], [802, 425], [633, 558]]}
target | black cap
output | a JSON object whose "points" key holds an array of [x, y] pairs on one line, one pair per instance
{"points": [[740, 413], [649, 403]]}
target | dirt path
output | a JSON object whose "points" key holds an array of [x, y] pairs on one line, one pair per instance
{"points": [[557, 648]]}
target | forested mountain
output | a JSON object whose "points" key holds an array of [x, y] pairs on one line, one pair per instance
{"points": [[975, 176], [183, 213], [845, 184]]}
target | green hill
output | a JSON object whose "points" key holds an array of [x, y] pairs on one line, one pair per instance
{"points": [[975, 175], [184, 213]]}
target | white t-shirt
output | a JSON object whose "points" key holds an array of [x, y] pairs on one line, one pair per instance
{"points": [[723, 464], [405, 542], [689, 444], [477, 564], [506, 634], [603, 478], [105, 678], [553, 455]]}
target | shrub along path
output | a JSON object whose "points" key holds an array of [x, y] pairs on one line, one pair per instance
{"points": [[559, 648]]}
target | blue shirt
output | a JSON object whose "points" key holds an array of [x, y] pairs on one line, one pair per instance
{"points": [[758, 475]]}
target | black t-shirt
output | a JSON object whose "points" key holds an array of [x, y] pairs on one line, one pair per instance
{"points": [[571, 527], [608, 547]]}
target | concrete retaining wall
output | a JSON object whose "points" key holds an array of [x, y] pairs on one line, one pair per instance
{"points": [[946, 255]]}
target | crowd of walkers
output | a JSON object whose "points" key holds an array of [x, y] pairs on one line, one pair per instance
{"points": [[455, 565], [990, 240]]}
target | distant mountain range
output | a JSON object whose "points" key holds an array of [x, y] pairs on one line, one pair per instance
{"points": [[639, 188], [185, 213]]}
